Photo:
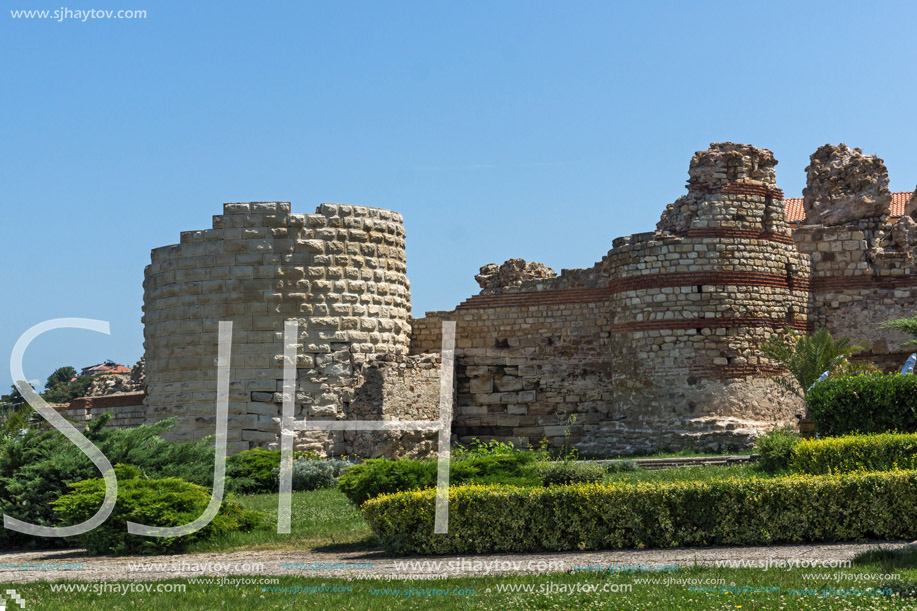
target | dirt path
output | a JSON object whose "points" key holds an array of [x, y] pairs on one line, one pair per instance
{"points": [[74, 565]]}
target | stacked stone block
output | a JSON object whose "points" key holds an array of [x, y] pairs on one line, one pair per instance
{"points": [[340, 272], [127, 410], [655, 346]]}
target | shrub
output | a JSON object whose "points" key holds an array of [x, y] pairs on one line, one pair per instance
{"points": [[511, 469], [776, 449], [381, 476], [159, 502], [806, 357], [570, 472], [253, 471], [36, 468], [478, 447], [881, 452], [754, 511], [309, 474], [621, 466], [873, 403]]}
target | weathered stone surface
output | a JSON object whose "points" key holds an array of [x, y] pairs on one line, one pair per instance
{"points": [[724, 163], [339, 272], [910, 208], [513, 272], [904, 234], [843, 186], [641, 349], [656, 346]]}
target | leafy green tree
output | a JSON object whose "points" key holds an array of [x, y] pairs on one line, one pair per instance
{"points": [[60, 377], [14, 399], [806, 357], [59, 388], [908, 325]]}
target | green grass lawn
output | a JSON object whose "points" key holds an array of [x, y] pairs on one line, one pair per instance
{"points": [[683, 474], [715, 588], [684, 453], [320, 518]]}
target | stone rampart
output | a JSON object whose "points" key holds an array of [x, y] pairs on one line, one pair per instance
{"points": [[654, 346], [340, 272]]}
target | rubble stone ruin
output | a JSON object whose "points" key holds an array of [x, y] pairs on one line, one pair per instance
{"points": [[654, 346]]}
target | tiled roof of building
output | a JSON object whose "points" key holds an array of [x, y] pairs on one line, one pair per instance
{"points": [[105, 368], [796, 214]]}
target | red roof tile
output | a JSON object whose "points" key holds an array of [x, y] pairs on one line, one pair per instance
{"points": [[795, 212]]}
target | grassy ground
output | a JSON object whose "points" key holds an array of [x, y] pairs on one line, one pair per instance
{"points": [[877, 581], [320, 518], [685, 453], [683, 474]]}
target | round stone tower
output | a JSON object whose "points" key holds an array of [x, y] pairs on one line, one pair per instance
{"points": [[695, 299], [340, 272]]}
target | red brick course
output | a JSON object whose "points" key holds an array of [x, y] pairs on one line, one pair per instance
{"points": [[619, 285]]}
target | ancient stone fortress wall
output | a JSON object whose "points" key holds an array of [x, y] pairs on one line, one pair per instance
{"points": [[127, 410], [657, 344], [863, 265], [341, 273]]}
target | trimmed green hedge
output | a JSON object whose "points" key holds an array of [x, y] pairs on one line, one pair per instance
{"points": [[797, 508], [881, 452], [874, 403]]}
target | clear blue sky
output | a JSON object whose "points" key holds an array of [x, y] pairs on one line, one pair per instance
{"points": [[498, 129]]}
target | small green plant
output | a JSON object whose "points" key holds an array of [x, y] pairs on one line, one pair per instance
{"points": [[380, 476], [253, 471], [776, 449], [311, 473], [806, 357], [907, 325], [569, 452], [476, 447], [570, 472], [621, 466]]}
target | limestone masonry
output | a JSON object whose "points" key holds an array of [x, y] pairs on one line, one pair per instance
{"points": [[655, 346]]}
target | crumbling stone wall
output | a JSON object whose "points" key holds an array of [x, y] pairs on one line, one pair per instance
{"points": [[127, 410], [863, 267], [657, 344], [340, 272], [844, 186], [493, 277]]}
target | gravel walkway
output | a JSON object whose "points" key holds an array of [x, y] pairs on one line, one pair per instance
{"points": [[74, 565]]}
